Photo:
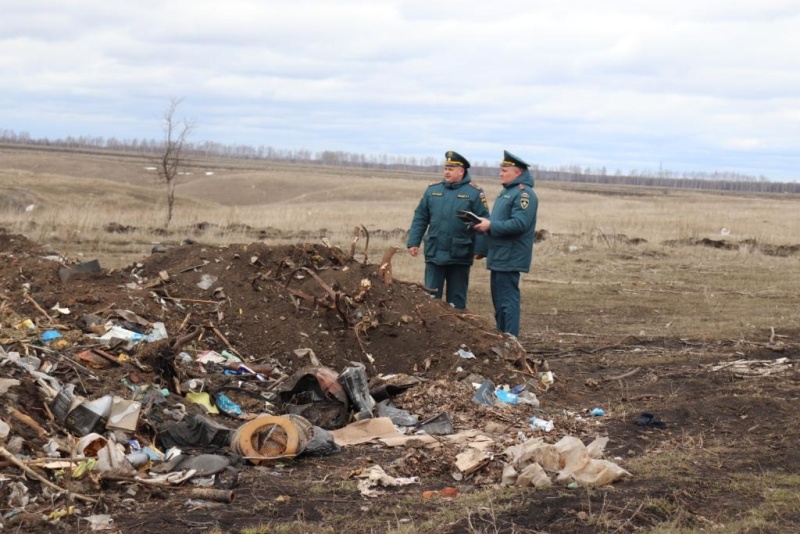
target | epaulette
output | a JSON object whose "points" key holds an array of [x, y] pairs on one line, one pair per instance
{"points": [[434, 183], [521, 187], [476, 186]]}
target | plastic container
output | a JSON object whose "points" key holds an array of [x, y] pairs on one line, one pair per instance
{"points": [[62, 403], [269, 438], [90, 444], [91, 416]]}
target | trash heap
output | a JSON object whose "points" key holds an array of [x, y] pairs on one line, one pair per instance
{"points": [[198, 361]]}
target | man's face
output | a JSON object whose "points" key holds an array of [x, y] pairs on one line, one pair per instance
{"points": [[453, 173], [509, 174]]}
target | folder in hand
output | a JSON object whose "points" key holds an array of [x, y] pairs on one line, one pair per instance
{"points": [[468, 217]]}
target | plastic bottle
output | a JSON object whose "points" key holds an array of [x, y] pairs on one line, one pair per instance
{"points": [[91, 416]]}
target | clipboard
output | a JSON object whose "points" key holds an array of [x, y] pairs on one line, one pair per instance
{"points": [[468, 217]]}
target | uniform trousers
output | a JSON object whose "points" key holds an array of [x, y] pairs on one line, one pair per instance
{"points": [[505, 298], [454, 277]]}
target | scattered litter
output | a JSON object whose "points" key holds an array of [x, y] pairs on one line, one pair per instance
{"points": [[99, 522], [547, 379], [569, 458], [648, 419], [314, 361], [438, 425], [204, 400], [6, 384], [598, 412], [471, 460], [206, 281], [466, 354], [67, 273], [49, 335], [355, 383], [399, 417], [365, 431], [485, 394], [541, 424], [269, 438], [753, 368], [504, 395], [376, 476], [227, 405]]}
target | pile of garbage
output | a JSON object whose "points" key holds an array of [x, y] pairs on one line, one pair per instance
{"points": [[199, 361]]}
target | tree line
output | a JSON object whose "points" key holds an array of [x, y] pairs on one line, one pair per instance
{"points": [[717, 180]]}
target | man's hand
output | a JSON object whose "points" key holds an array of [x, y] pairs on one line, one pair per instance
{"points": [[483, 226], [413, 251]]}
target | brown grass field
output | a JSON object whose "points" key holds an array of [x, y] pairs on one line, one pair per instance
{"points": [[669, 282]]}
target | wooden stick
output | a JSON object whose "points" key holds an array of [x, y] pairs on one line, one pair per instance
{"points": [[211, 494], [36, 305], [223, 339], [385, 270], [192, 300], [185, 322], [620, 377], [30, 472], [27, 420]]}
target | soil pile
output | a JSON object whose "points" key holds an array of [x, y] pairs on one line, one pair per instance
{"points": [[262, 303], [141, 332]]}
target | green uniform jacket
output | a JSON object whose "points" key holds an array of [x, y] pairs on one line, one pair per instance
{"points": [[448, 240], [513, 225]]}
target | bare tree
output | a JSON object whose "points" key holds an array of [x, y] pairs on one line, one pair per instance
{"points": [[175, 133]]}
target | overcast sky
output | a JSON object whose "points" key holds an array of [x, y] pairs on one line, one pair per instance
{"points": [[683, 85]]}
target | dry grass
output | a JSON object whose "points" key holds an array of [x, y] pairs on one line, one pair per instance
{"points": [[587, 278], [587, 265]]}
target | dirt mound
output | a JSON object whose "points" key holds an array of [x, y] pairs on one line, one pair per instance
{"points": [[281, 310], [266, 302], [782, 251]]}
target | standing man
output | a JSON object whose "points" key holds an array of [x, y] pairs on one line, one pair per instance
{"points": [[510, 231], [450, 244]]}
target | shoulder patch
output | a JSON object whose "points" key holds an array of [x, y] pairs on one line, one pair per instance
{"points": [[524, 194]]}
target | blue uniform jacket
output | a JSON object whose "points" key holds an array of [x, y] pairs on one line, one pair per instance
{"points": [[513, 225], [448, 240]]}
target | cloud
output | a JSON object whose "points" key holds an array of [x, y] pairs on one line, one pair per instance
{"points": [[698, 85]]}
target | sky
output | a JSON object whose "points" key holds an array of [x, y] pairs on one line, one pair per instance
{"points": [[699, 85]]}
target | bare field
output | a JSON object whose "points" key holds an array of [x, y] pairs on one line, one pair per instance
{"points": [[663, 283], [609, 248]]}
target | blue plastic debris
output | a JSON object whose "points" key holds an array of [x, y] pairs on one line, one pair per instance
{"points": [[227, 405], [506, 396], [50, 335]]}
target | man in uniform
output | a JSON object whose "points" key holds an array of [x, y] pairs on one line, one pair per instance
{"points": [[450, 243], [510, 231]]}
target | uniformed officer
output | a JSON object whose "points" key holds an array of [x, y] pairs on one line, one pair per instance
{"points": [[510, 231], [450, 243]]}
